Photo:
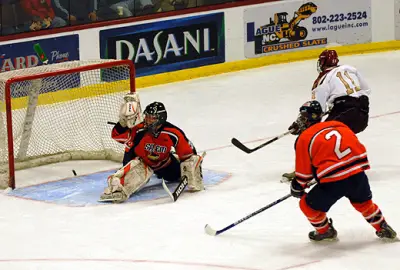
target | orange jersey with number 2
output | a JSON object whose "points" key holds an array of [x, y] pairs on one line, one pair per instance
{"points": [[329, 151]]}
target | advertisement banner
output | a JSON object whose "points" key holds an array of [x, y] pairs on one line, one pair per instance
{"points": [[167, 45], [22, 55], [397, 19], [299, 25]]}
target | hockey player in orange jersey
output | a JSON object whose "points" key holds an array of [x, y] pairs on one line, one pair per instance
{"points": [[331, 153], [148, 151]]}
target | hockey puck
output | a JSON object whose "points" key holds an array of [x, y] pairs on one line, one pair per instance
{"points": [[74, 172]]}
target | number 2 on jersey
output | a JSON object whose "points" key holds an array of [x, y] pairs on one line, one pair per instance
{"points": [[349, 90], [339, 154]]}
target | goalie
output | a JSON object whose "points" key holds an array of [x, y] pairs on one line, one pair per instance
{"points": [[148, 146]]}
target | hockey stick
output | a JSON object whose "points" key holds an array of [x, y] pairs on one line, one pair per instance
{"points": [[244, 148], [177, 192], [181, 186], [211, 231]]}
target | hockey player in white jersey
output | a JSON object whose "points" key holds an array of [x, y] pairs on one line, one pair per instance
{"points": [[343, 94], [341, 91]]}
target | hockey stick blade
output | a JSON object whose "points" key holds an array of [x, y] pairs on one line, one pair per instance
{"points": [[167, 190], [241, 146], [179, 189], [210, 231], [247, 150]]}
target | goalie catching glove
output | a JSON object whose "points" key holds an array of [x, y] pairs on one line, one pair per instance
{"points": [[130, 111]]}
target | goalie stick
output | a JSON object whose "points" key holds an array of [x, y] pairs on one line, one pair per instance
{"points": [[181, 186], [210, 231], [244, 148], [178, 190]]}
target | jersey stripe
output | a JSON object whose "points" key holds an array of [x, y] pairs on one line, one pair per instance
{"points": [[348, 171], [173, 137], [343, 165], [313, 138]]}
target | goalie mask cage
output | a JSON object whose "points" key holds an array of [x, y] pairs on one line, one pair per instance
{"points": [[59, 112]]}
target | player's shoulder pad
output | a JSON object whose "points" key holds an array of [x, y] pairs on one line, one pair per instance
{"points": [[311, 132], [174, 132], [172, 128], [348, 67]]}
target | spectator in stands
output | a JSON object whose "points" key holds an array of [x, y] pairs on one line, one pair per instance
{"points": [[42, 14], [114, 9], [76, 11], [169, 5], [143, 7], [11, 22]]}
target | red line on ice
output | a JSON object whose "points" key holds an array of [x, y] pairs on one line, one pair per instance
{"points": [[125, 261]]}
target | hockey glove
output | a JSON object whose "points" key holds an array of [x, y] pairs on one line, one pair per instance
{"points": [[294, 129], [298, 126], [130, 111], [296, 189]]}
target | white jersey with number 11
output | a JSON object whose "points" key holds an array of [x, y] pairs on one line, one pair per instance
{"points": [[339, 81]]}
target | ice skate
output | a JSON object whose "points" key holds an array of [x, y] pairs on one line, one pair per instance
{"points": [[386, 232], [330, 235]]}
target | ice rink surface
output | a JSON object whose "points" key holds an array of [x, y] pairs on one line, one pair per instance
{"points": [[252, 106]]}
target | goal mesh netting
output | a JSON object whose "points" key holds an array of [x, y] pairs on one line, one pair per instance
{"points": [[59, 112]]}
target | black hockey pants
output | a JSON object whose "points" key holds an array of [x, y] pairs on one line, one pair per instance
{"points": [[351, 111]]}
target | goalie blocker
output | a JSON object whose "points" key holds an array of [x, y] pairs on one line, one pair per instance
{"points": [[148, 151]]}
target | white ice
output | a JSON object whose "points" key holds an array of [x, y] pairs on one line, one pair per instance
{"points": [[249, 105]]}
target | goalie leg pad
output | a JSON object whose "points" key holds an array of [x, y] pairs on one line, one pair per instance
{"points": [[191, 168], [126, 181]]}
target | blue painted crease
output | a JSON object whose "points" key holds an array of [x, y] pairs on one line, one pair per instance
{"points": [[85, 190]]}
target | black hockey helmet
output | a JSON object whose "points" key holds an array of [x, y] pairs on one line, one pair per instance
{"points": [[311, 113], [155, 115]]}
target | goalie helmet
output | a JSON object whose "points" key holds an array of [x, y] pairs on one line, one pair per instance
{"points": [[328, 58], [310, 114], [155, 115]]}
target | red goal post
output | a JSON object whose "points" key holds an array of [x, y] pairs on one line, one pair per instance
{"points": [[59, 112]]}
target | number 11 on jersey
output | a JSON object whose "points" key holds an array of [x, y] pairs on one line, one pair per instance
{"points": [[350, 90]]}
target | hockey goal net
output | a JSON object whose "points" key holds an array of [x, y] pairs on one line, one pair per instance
{"points": [[54, 113]]}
